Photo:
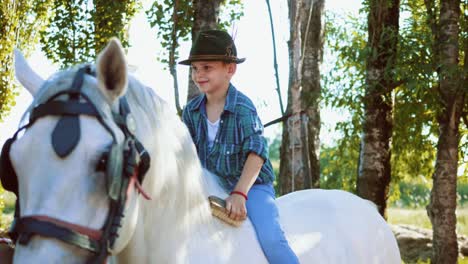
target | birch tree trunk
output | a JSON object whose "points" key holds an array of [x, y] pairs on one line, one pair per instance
{"points": [[299, 167], [441, 209], [206, 16], [374, 158]]}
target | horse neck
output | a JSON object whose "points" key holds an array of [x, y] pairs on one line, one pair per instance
{"points": [[180, 197]]}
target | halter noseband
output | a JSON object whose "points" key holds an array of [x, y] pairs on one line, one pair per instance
{"points": [[125, 164]]}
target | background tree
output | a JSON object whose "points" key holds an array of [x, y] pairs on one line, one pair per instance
{"points": [[112, 19], [69, 38], [79, 29], [299, 167], [451, 91], [417, 107], [413, 100], [20, 22], [172, 20], [176, 20], [374, 158], [206, 16]]}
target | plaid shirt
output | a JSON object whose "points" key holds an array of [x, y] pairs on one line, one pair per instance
{"points": [[240, 132]]}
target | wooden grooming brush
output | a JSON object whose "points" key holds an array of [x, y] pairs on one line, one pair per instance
{"points": [[218, 209]]}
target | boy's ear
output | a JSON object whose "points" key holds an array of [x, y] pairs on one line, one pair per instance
{"points": [[232, 67]]}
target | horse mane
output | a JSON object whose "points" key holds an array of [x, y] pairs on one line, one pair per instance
{"points": [[175, 180]]}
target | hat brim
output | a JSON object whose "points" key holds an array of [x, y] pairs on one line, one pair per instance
{"points": [[211, 58]]}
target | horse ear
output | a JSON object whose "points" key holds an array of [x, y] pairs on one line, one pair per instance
{"points": [[25, 74], [112, 70]]}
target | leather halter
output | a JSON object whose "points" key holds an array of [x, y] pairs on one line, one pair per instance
{"points": [[125, 166]]}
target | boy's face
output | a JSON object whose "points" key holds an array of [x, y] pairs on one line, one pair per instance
{"points": [[212, 76]]}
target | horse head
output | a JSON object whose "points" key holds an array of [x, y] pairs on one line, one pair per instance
{"points": [[75, 166]]}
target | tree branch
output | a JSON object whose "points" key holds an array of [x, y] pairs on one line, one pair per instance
{"points": [[275, 63], [172, 64]]}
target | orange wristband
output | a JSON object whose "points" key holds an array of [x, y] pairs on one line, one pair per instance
{"points": [[240, 193]]}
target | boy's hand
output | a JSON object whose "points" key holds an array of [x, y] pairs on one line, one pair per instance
{"points": [[235, 204]]}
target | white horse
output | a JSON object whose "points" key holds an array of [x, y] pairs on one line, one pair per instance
{"points": [[176, 225]]}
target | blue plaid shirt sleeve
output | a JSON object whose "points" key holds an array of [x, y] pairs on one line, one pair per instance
{"points": [[252, 130]]}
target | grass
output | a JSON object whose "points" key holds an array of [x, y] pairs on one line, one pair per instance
{"points": [[418, 217]]}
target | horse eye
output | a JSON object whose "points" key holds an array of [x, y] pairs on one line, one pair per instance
{"points": [[101, 163], [102, 159]]}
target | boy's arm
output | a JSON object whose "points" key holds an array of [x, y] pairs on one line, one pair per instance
{"points": [[252, 167], [254, 144], [235, 203]]}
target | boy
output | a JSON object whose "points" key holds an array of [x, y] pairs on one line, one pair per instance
{"points": [[228, 135]]}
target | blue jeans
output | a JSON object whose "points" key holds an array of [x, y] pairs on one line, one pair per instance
{"points": [[262, 211]]}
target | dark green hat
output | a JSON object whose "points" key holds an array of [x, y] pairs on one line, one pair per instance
{"points": [[213, 45]]}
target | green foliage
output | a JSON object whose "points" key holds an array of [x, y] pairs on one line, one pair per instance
{"points": [[81, 28], [338, 166], [343, 91], [111, 19], [69, 38], [20, 22], [412, 195], [231, 12], [161, 16], [415, 98], [2, 205], [344, 82], [7, 209]]}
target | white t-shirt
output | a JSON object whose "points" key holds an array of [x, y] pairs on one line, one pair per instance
{"points": [[212, 131]]}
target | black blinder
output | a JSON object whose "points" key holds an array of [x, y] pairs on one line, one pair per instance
{"points": [[7, 173], [66, 135]]}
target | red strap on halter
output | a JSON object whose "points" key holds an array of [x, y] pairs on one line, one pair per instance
{"points": [[92, 233], [134, 182]]}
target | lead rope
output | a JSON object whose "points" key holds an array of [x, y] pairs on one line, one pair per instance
{"points": [[292, 147], [305, 150]]}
